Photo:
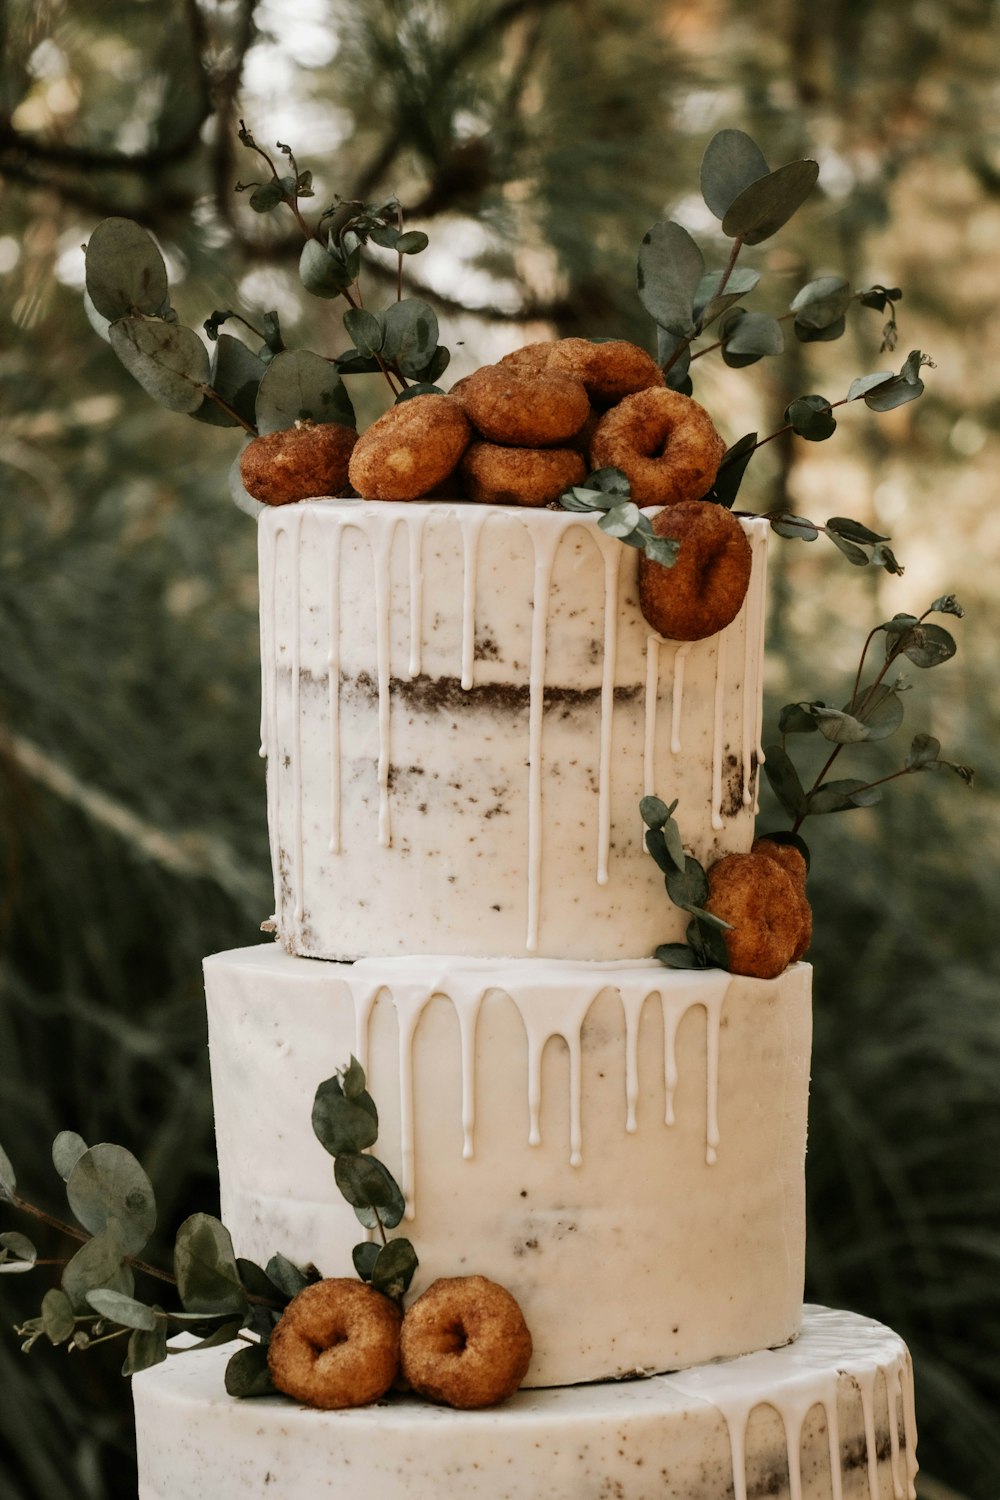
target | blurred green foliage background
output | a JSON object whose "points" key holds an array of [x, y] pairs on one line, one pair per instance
{"points": [[535, 140]]}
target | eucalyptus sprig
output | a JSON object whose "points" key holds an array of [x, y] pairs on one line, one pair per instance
{"points": [[608, 492], [222, 1296], [873, 712], [687, 887], [685, 299], [345, 1122]]}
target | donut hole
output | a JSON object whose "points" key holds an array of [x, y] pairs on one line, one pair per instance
{"points": [[454, 1337], [329, 1341]]}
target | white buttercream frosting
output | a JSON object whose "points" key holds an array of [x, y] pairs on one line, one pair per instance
{"points": [[828, 1418], [615, 1137], [461, 708]]}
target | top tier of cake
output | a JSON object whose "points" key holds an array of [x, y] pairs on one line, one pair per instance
{"points": [[462, 706]]}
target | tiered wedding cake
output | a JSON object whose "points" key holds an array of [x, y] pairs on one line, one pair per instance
{"points": [[462, 706]]}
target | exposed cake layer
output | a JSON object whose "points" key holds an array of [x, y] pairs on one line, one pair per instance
{"points": [[620, 1144], [829, 1418], [462, 706]]}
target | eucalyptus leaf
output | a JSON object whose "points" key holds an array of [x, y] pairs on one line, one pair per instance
{"points": [[732, 161], [669, 271], [673, 354], [839, 727], [708, 304], [420, 388], [208, 1279], [125, 273], [678, 956], [118, 1308], [235, 375], [749, 336], [947, 605], [654, 812], [797, 528], [146, 1348], [370, 1189], [884, 557], [811, 418], [364, 1257], [853, 531], [841, 796], [687, 887], [67, 1148], [352, 1080], [322, 273], [731, 470], [58, 1317], [169, 361], [18, 1245], [761, 209], [865, 383], [341, 1124], [828, 334], [267, 196], [709, 919], [98, 1263], [797, 718], [851, 552], [297, 386], [247, 1373], [256, 1282], [821, 302], [8, 1181], [924, 751], [365, 329], [437, 364], [107, 1187], [386, 235], [224, 1333], [621, 520], [880, 709], [410, 334], [287, 1277], [412, 242], [784, 781], [709, 942], [394, 1268], [926, 645]]}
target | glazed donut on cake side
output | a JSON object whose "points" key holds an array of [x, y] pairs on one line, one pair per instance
{"points": [[462, 708]]}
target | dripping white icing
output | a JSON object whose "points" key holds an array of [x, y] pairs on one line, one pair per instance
{"points": [[472, 522], [612, 571], [834, 1347], [545, 551], [753, 665], [295, 538], [677, 700], [553, 1000], [414, 538], [651, 703], [381, 552]]}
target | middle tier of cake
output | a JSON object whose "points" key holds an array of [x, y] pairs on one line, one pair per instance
{"points": [[619, 1144]]}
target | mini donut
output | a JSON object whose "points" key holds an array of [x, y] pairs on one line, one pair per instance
{"points": [[411, 449], [524, 408], [664, 442], [531, 356], [465, 1343], [336, 1344], [769, 916], [298, 462], [792, 861], [707, 584], [608, 370], [519, 476]]}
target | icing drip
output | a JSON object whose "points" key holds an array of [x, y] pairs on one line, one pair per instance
{"points": [[753, 667], [295, 537], [550, 1004], [677, 701], [836, 1346], [546, 543], [612, 571], [718, 728], [381, 552], [472, 519], [333, 678], [268, 713], [651, 704], [415, 538]]}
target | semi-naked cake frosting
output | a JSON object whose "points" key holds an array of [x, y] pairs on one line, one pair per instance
{"points": [[462, 706]]}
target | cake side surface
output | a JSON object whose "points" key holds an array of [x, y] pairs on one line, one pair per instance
{"points": [[612, 1137], [832, 1415], [461, 708]]}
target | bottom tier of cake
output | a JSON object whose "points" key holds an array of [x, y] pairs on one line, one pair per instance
{"points": [[829, 1417]]}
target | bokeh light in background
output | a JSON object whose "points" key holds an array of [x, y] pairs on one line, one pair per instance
{"points": [[535, 142]]}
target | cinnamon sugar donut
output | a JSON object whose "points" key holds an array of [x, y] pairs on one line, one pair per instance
{"points": [[608, 369], [524, 408], [707, 584], [769, 916], [336, 1344], [519, 476], [411, 449], [298, 462], [465, 1342], [665, 443]]}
